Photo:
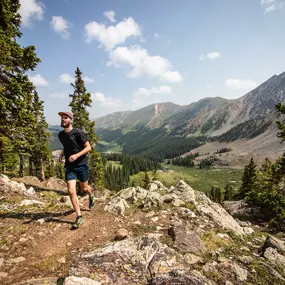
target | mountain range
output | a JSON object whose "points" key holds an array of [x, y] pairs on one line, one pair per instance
{"points": [[208, 119], [164, 130]]}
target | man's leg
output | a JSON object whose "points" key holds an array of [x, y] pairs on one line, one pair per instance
{"points": [[71, 186], [86, 188], [83, 178]]}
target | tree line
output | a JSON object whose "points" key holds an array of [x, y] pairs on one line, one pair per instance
{"points": [[117, 178]]}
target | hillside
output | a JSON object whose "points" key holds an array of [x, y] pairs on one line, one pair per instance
{"points": [[215, 119], [157, 235]]}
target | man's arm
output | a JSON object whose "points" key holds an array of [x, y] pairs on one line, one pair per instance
{"points": [[86, 149]]}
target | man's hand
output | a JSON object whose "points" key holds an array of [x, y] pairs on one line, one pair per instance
{"points": [[72, 158]]}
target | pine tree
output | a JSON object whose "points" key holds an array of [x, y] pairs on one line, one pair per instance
{"points": [[229, 192], [15, 87], [145, 181], [155, 175], [280, 124], [81, 99], [40, 151], [248, 179]]}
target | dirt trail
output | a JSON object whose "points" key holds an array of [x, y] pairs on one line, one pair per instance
{"points": [[48, 248]]}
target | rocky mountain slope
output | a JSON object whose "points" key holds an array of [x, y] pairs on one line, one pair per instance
{"points": [[148, 236], [218, 118]]}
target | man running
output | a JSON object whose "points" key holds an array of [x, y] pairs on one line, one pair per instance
{"points": [[75, 148]]}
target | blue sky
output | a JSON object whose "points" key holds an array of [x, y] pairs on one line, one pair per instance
{"points": [[135, 53]]}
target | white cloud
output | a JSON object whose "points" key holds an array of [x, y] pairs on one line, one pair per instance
{"points": [[112, 36], [60, 26], [107, 102], [144, 96], [60, 95], [241, 84], [210, 56], [110, 15], [208, 86], [154, 90], [88, 79], [31, 9], [66, 78], [271, 5], [38, 80], [142, 63]]}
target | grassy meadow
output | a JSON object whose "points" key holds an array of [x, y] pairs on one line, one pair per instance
{"points": [[198, 179]]}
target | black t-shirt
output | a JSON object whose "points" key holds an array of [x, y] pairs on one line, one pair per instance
{"points": [[73, 142]]}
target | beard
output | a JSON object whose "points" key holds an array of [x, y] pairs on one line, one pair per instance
{"points": [[65, 125]]}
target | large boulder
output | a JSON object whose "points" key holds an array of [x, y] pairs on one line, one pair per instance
{"points": [[134, 261], [153, 199], [273, 250], [117, 206], [206, 208], [184, 192], [12, 187], [29, 180], [54, 183], [246, 212], [185, 237], [133, 194], [217, 213]]}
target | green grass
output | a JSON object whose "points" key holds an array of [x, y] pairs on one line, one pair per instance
{"points": [[115, 164], [198, 179]]}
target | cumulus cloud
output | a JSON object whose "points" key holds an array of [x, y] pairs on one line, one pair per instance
{"points": [[60, 26], [210, 56], [240, 84], [107, 102], [110, 15], [88, 79], [31, 10], [144, 96], [38, 80], [141, 63], [66, 78], [271, 5], [111, 36]]}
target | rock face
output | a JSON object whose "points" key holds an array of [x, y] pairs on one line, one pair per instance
{"points": [[135, 261], [12, 187]]}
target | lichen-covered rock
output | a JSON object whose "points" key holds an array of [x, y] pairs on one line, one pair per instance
{"points": [[117, 206], [173, 200], [185, 237], [217, 213], [184, 192], [153, 199], [136, 261], [152, 187], [133, 194]]}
